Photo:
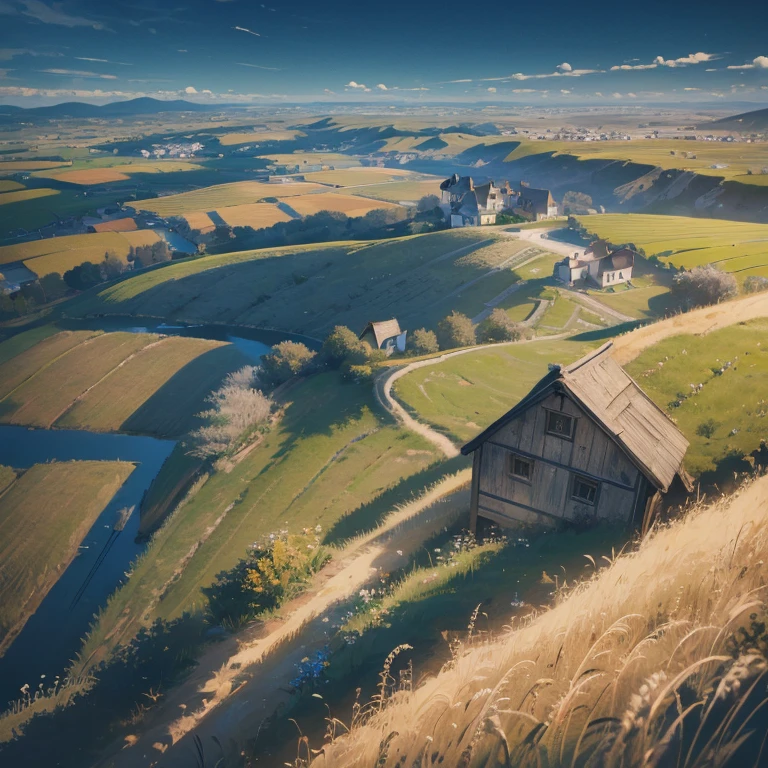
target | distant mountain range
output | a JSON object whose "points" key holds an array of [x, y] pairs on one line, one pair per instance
{"points": [[747, 122], [76, 109]]}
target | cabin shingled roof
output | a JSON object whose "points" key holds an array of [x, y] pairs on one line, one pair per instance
{"points": [[615, 401], [382, 330], [538, 199]]}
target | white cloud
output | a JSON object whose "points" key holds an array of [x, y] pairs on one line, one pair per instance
{"points": [[358, 86], [103, 61], [565, 73], [632, 95], [660, 61], [190, 89], [329, 91], [691, 89], [565, 91], [382, 87], [77, 73], [249, 31], [523, 90], [565, 67], [53, 15], [760, 62], [207, 92], [491, 90], [617, 95], [598, 93], [259, 66]]}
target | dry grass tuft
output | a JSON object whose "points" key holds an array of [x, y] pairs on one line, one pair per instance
{"points": [[657, 660]]}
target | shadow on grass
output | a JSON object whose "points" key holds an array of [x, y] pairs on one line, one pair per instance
{"points": [[369, 516], [610, 332]]}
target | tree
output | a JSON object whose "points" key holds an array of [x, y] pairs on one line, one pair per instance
{"points": [[456, 330], [702, 286], [83, 276], [53, 286], [423, 342], [287, 359], [112, 266], [343, 344], [755, 284], [161, 252], [499, 326], [428, 203]]}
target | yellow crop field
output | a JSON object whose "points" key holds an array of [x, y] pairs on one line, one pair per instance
{"points": [[30, 165], [350, 177], [256, 215], [59, 254], [306, 205], [113, 400], [223, 196], [199, 221], [399, 191], [21, 195], [700, 156], [313, 158], [10, 186], [91, 176], [44, 516], [20, 367], [98, 174], [255, 137], [45, 396], [733, 246]]}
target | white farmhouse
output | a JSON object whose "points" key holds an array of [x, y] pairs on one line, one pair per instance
{"points": [[599, 265]]}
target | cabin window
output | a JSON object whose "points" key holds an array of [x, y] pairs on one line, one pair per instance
{"points": [[520, 468], [560, 424], [584, 490]]}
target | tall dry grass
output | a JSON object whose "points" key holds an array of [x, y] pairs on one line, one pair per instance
{"points": [[658, 659]]}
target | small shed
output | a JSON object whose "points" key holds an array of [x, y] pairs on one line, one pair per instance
{"points": [[586, 443], [384, 334]]}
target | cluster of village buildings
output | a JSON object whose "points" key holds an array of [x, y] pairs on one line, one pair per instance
{"points": [[173, 150]]}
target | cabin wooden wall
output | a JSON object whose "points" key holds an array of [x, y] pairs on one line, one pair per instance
{"points": [[547, 498]]}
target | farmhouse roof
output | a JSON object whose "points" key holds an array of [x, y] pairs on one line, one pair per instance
{"points": [[482, 193], [458, 184], [598, 249], [382, 330], [468, 205], [538, 200], [619, 406], [621, 259]]}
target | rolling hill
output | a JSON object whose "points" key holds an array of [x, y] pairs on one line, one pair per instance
{"points": [[756, 120], [78, 109]]}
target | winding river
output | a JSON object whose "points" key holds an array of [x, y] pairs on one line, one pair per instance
{"points": [[53, 635]]}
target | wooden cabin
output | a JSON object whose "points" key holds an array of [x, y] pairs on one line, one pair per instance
{"points": [[385, 335], [586, 443]]}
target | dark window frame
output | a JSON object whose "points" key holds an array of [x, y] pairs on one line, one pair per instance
{"points": [[550, 413], [512, 458], [590, 483]]}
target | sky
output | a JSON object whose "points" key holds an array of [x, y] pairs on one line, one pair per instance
{"points": [[359, 51]]}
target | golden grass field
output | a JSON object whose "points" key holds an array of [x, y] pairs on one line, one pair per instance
{"points": [[21, 195], [399, 191], [306, 205], [255, 137], [350, 177], [733, 246], [59, 254], [7, 477], [698, 156], [651, 655], [94, 173], [313, 158], [199, 221], [10, 186], [117, 225], [30, 165], [223, 196], [44, 516], [256, 215], [142, 383]]}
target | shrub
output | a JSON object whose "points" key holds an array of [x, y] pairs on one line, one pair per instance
{"points": [[423, 342], [456, 330], [707, 428], [267, 576], [755, 284], [343, 344], [703, 286], [428, 203], [357, 373], [238, 409], [287, 359], [498, 327]]}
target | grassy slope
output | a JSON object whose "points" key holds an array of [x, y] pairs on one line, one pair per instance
{"points": [[351, 205], [330, 454], [7, 477], [464, 394], [43, 519], [398, 191], [736, 400], [350, 283], [23, 195], [733, 246]]}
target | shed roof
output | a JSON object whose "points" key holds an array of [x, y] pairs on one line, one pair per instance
{"points": [[382, 330], [538, 200], [614, 400]]}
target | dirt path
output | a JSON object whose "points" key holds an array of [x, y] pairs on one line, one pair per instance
{"points": [[231, 691], [698, 322]]}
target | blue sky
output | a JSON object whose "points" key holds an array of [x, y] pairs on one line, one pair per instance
{"points": [[248, 52]]}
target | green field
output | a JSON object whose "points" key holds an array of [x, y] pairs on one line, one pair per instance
{"points": [[464, 394], [399, 191], [736, 400], [668, 154], [10, 186], [139, 383], [21, 196], [351, 177], [733, 246], [59, 254], [331, 455], [309, 289], [44, 516]]}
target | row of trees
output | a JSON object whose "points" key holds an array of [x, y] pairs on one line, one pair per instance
{"points": [[88, 274]]}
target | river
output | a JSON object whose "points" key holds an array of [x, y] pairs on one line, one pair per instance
{"points": [[53, 635]]}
